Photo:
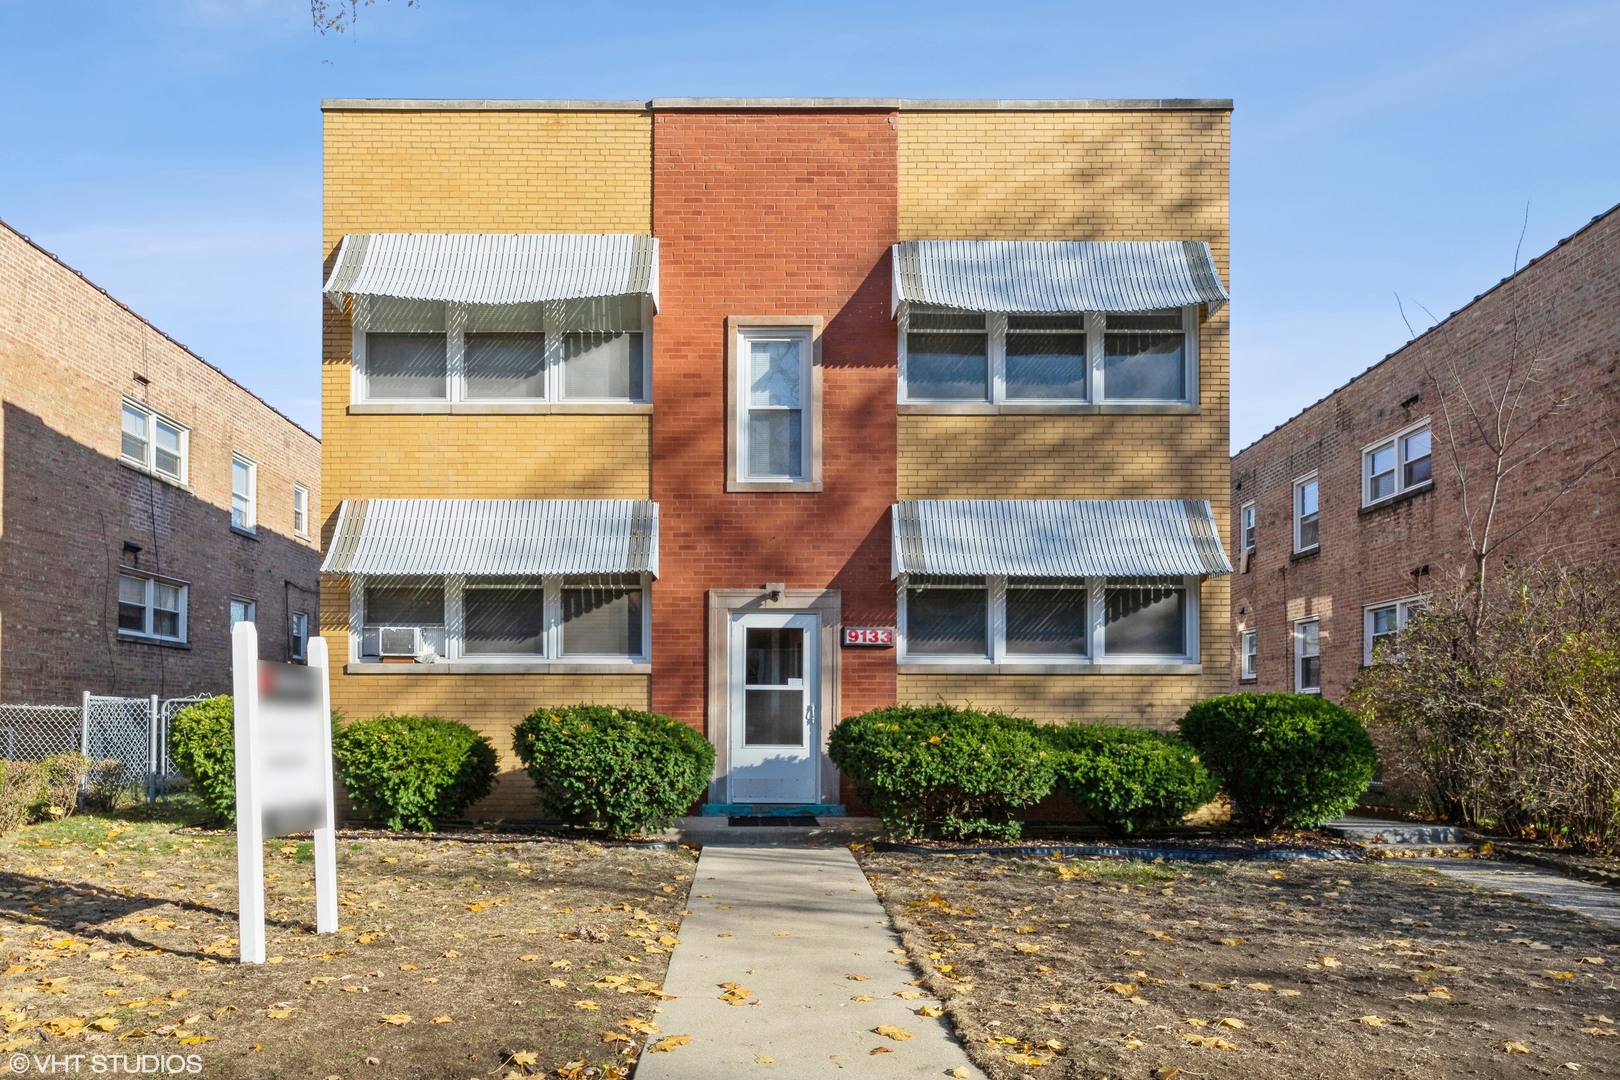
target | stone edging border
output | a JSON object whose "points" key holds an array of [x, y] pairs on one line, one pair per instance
{"points": [[1119, 851]]}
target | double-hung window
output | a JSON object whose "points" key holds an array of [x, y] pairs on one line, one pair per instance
{"points": [[1011, 620], [506, 620], [154, 443], [954, 357], [1248, 654], [244, 493], [243, 611], [1403, 462], [1307, 535], [298, 636], [1308, 656], [151, 607], [775, 405], [576, 351], [1246, 527], [1382, 625], [300, 510]]}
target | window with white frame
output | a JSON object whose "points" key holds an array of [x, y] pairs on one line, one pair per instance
{"points": [[298, 636], [300, 510], [592, 350], [243, 611], [774, 424], [151, 607], [1246, 526], [478, 620], [1403, 462], [154, 443], [1382, 625], [244, 493], [967, 356], [1308, 656], [1248, 654], [1006, 620], [1306, 533]]}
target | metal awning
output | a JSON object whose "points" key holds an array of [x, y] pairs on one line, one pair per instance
{"points": [[1057, 538], [494, 268], [494, 537], [1060, 277]]}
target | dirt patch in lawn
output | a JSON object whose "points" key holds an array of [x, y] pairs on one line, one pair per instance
{"points": [[1068, 968], [455, 959]]}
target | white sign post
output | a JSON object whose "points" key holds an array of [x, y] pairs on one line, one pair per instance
{"points": [[283, 776]]}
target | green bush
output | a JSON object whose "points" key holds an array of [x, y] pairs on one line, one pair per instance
{"points": [[20, 784], [202, 745], [935, 770], [620, 770], [1284, 759], [411, 771], [1129, 779]]}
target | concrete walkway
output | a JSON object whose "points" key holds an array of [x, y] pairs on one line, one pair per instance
{"points": [[1598, 902], [789, 926]]}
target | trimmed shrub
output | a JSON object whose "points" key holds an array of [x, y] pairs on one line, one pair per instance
{"points": [[935, 770], [202, 745], [1284, 759], [1129, 779], [106, 786], [62, 778], [411, 771], [20, 783], [620, 770]]}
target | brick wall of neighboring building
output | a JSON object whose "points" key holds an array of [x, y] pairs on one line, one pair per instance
{"points": [[1559, 311], [69, 355], [1098, 174], [765, 213]]}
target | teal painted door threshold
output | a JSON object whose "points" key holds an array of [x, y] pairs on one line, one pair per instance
{"points": [[772, 810]]}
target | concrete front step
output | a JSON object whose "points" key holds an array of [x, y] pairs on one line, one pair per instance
{"points": [[828, 832], [1394, 833]]}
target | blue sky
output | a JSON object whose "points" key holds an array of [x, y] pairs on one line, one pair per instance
{"points": [[170, 149]]}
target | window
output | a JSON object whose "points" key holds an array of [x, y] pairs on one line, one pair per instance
{"points": [[1306, 534], [1403, 462], [1382, 627], [154, 443], [298, 636], [967, 356], [300, 510], [1246, 530], [243, 611], [244, 491], [1017, 620], [776, 413], [1308, 656], [1248, 654], [505, 620], [151, 607], [577, 351]]}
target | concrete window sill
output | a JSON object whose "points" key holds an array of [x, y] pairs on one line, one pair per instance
{"points": [[1050, 669], [1395, 500], [984, 408], [464, 668], [162, 643], [499, 408]]}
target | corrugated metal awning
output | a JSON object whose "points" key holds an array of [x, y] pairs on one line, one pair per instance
{"points": [[494, 268], [1035, 277], [494, 537], [1058, 538]]}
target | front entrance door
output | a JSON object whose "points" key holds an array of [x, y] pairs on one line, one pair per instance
{"points": [[775, 681]]}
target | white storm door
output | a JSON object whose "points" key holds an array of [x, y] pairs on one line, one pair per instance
{"points": [[775, 680]]}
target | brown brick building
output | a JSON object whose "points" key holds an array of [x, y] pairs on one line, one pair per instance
{"points": [[1353, 510], [146, 500], [647, 403]]}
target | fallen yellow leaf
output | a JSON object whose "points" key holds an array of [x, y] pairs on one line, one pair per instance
{"points": [[396, 1019], [889, 1031], [669, 1042]]}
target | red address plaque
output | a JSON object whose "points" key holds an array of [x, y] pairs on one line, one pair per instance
{"points": [[880, 637]]}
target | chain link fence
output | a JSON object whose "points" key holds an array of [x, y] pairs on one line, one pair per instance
{"points": [[132, 731]]}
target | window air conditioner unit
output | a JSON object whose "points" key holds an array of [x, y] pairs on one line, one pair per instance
{"points": [[399, 640]]}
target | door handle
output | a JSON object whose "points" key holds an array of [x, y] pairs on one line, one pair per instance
{"points": [[809, 714]]}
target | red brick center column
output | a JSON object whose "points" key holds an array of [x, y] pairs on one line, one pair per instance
{"points": [[789, 213]]}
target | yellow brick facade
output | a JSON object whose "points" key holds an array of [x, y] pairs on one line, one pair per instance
{"points": [[455, 170], [1101, 174]]}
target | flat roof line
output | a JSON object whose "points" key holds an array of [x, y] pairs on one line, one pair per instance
{"points": [[808, 103]]}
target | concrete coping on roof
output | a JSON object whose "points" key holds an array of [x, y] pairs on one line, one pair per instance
{"points": [[765, 104]]}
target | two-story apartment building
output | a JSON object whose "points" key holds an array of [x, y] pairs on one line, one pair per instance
{"points": [[147, 501], [1348, 515], [765, 413]]}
